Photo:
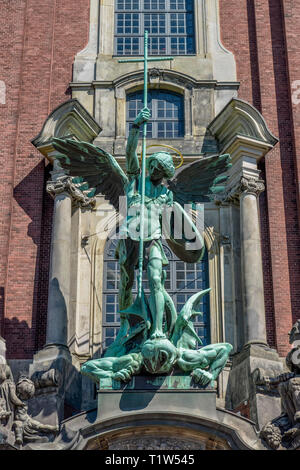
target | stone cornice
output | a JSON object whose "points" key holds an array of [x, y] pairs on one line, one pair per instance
{"points": [[167, 76]]}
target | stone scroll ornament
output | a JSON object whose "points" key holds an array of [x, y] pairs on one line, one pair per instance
{"points": [[283, 432], [152, 336]]}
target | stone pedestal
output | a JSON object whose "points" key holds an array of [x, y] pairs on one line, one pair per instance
{"points": [[148, 394], [47, 406], [242, 392]]}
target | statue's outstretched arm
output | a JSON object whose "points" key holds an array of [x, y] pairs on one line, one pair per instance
{"points": [[206, 363], [118, 368], [132, 161]]}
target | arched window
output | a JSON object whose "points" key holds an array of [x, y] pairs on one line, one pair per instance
{"points": [[170, 24], [183, 280], [167, 117]]}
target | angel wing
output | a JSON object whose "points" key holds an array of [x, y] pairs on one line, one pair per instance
{"points": [[184, 335], [95, 169], [201, 180], [195, 183]]}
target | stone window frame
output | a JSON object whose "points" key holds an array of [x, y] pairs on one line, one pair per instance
{"points": [[165, 36], [128, 87], [155, 120], [88, 65]]}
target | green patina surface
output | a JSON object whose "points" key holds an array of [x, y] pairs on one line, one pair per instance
{"points": [[153, 337], [168, 382]]}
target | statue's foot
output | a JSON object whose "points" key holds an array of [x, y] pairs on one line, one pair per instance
{"points": [[201, 377], [157, 334]]}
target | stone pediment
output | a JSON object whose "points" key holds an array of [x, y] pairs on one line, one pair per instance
{"points": [[68, 119], [240, 121]]}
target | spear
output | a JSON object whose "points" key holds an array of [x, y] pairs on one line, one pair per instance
{"points": [[143, 175]]}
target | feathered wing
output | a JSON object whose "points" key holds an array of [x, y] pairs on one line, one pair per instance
{"points": [[95, 169], [200, 181], [195, 183], [184, 335]]}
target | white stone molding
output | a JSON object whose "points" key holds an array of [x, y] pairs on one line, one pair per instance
{"points": [[241, 125], [68, 119], [212, 58]]}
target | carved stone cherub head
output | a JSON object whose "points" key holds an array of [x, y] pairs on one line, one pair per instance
{"points": [[25, 388]]}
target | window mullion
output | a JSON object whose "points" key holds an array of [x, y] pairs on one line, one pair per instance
{"points": [[168, 49], [142, 28]]}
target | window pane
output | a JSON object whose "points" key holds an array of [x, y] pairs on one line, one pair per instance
{"points": [[128, 4], [166, 20], [154, 4], [155, 24], [157, 45], [167, 120]]}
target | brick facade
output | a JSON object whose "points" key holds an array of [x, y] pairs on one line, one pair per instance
{"points": [[40, 39], [264, 45]]}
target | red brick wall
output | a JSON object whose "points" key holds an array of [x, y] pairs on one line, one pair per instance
{"points": [[254, 31], [38, 40]]}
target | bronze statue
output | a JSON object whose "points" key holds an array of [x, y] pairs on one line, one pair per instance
{"points": [[150, 330]]}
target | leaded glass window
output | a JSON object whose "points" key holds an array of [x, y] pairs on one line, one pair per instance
{"points": [[170, 24], [183, 280], [166, 108]]}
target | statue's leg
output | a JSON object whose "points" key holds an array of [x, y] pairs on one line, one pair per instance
{"points": [[18, 429], [127, 256], [37, 426], [171, 314], [157, 298]]}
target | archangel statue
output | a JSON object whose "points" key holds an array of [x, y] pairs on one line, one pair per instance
{"points": [[152, 335]]}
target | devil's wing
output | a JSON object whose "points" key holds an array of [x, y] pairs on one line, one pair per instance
{"points": [[94, 169], [184, 335]]}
